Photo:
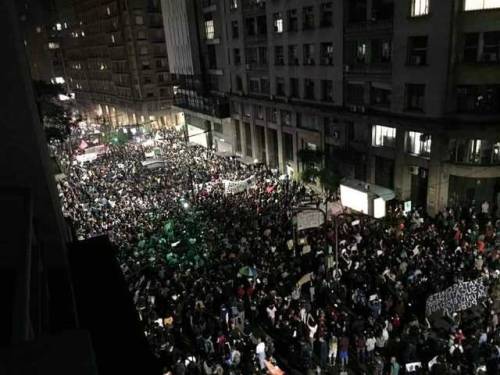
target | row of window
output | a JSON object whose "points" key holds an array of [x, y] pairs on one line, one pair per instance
{"points": [[481, 99], [415, 143], [258, 25], [421, 7], [262, 86], [258, 55]]}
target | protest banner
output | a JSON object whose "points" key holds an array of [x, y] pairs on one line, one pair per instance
{"points": [[83, 158], [458, 297], [101, 149], [309, 219], [236, 187]]}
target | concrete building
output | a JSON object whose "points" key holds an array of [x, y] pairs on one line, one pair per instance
{"points": [[403, 94], [117, 62], [196, 39], [41, 39]]}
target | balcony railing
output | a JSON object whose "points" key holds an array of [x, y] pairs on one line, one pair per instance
{"points": [[217, 107]]}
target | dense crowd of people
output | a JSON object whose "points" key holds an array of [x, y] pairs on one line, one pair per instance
{"points": [[224, 285]]}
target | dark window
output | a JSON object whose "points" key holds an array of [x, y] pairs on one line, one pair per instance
{"points": [[326, 52], [238, 135], [260, 112], [272, 115], [261, 25], [264, 86], [381, 51], [236, 56], [357, 10], [309, 54], [471, 47], [279, 58], [253, 85], [251, 55], [417, 50], [327, 90], [250, 26], [294, 87], [491, 47], [308, 18], [415, 96], [293, 55], [263, 55], [326, 15], [239, 83], [286, 118], [212, 57], [217, 127], [248, 139], [382, 10], [355, 94], [280, 86], [293, 20], [380, 97], [308, 89], [235, 29], [288, 147], [478, 99]]}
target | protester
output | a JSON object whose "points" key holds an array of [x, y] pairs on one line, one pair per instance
{"points": [[223, 284]]}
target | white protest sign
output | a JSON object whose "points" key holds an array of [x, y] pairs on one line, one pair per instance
{"points": [[86, 157], [309, 219], [236, 187], [457, 297]]}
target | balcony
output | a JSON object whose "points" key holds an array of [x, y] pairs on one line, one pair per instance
{"points": [[369, 27], [212, 106]]}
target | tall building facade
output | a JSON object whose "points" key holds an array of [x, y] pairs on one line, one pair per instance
{"points": [[195, 40], [116, 61], [402, 94]]}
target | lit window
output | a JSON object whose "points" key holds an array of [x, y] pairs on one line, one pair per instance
{"points": [[481, 4], [108, 11], [59, 80], [112, 38], [53, 45], [139, 20], [383, 136], [418, 143], [65, 25], [361, 52], [209, 29], [38, 29], [278, 23], [419, 8], [234, 4], [58, 26], [83, 33]]}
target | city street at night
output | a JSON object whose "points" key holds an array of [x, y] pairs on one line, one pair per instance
{"points": [[250, 187]]}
